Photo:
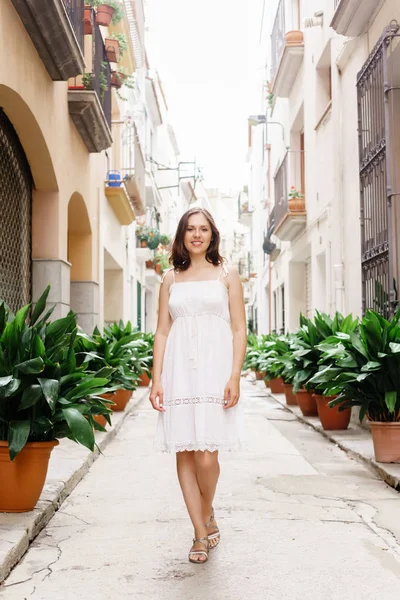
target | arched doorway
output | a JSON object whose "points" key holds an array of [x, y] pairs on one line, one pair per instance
{"points": [[83, 291], [15, 218]]}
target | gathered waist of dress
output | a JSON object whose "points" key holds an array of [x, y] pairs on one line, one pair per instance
{"points": [[202, 314]]}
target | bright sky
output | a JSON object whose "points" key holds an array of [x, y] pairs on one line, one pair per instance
{"points": [[210, 62]]}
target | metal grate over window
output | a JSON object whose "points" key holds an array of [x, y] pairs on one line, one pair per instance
{"points": [[15, 218]]}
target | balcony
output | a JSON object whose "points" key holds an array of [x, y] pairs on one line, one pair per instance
{"points": [[287, 53], [290, 212], [352, 17], [120, 202], [57, 34], [89, 98]]}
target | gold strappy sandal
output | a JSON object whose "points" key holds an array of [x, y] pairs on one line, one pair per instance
{"points": [[215, 535], [202, 540]]}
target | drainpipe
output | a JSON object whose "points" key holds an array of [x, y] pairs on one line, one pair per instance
{"points": [[268, 146]]}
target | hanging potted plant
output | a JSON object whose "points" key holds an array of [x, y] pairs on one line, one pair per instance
{"points": [[112, 49], [107, 11], [44, 396], [142, 235], [88, 20]]}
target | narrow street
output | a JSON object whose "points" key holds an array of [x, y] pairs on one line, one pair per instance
{"points": [[299, 520]]}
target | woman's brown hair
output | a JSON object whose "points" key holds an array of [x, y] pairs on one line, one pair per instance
{"points": [[180, 257]]}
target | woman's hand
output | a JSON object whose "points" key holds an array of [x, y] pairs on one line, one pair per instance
{"points": [[157, 396], [232, 392]]}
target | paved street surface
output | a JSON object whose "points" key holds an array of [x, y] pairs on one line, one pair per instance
{"points": [[299, 520]]}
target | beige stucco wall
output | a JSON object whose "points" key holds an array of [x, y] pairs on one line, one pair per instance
{"points": [[38, 110]]}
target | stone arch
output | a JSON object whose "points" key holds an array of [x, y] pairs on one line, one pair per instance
{"points": [[79, 239], [31, 138], [84, 292]]}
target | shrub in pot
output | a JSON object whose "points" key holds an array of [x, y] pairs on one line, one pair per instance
{"points": [[253, 352], [365, 371], [44, 396], [113, 350]]}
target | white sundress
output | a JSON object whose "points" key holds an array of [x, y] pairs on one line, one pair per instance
{"points": [[196, 368]]}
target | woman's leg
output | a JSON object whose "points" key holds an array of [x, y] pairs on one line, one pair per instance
{"points": [[207, 471], [186, 467]]}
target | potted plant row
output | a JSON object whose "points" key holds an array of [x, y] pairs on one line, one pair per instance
{"points": [[56, 382], [335, 364]]}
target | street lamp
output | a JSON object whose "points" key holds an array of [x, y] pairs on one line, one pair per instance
{"points": [[255, 120]]}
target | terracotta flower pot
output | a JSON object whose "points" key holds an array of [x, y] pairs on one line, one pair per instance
{"points": [[276, 385], [100, 419], [260, 375], [331, 418], [386, 439], [266, 381], [143, 244], [22, 479], [294, 37], [87, 20], [157, 268], [104, 15], [121, 399], [113, 49], [307, 403], [144, 379], [290, 396], [117, 79], [149, 264], [296, 204]]}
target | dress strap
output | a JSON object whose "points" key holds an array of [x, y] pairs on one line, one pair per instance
{"points": [[224, 271], [167, 271]]}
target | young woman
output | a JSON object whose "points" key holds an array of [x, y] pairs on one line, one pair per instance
{"points": [[199, 348]]}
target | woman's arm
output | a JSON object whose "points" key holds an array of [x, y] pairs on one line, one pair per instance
{"points": [[160, 339], [239, 331]]}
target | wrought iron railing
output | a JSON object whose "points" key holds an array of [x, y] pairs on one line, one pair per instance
{"points": [[74, 9], [377, 113], [277, 38], [281, 190], [102, 74], [289, 178], [99, 79], [336, 3]]}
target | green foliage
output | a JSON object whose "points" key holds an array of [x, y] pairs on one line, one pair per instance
{"points": [[44, 395], [117, 6], [123, 43], [363, 367]]}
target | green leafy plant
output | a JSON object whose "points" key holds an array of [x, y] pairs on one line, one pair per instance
{"points": [[123, 42], [162, 259], [295, 193], [118, 9], [44, 394], [363, 368], [165, 239]]}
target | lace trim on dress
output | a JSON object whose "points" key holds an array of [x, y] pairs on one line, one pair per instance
{"points": [[199, 446], [194, 400]]}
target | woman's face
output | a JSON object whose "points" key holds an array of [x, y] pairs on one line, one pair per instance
{"points": [[198, 234]]}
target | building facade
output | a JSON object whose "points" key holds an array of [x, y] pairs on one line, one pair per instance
{"points": [[76, 160], [330, 155]]}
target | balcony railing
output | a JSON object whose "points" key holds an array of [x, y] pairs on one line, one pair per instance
{"points": [[278, 38], [74, 9], [290, 211], [336, 3]]}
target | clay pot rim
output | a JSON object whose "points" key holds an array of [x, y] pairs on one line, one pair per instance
{"points": [[48, 444], [386, 423]]}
